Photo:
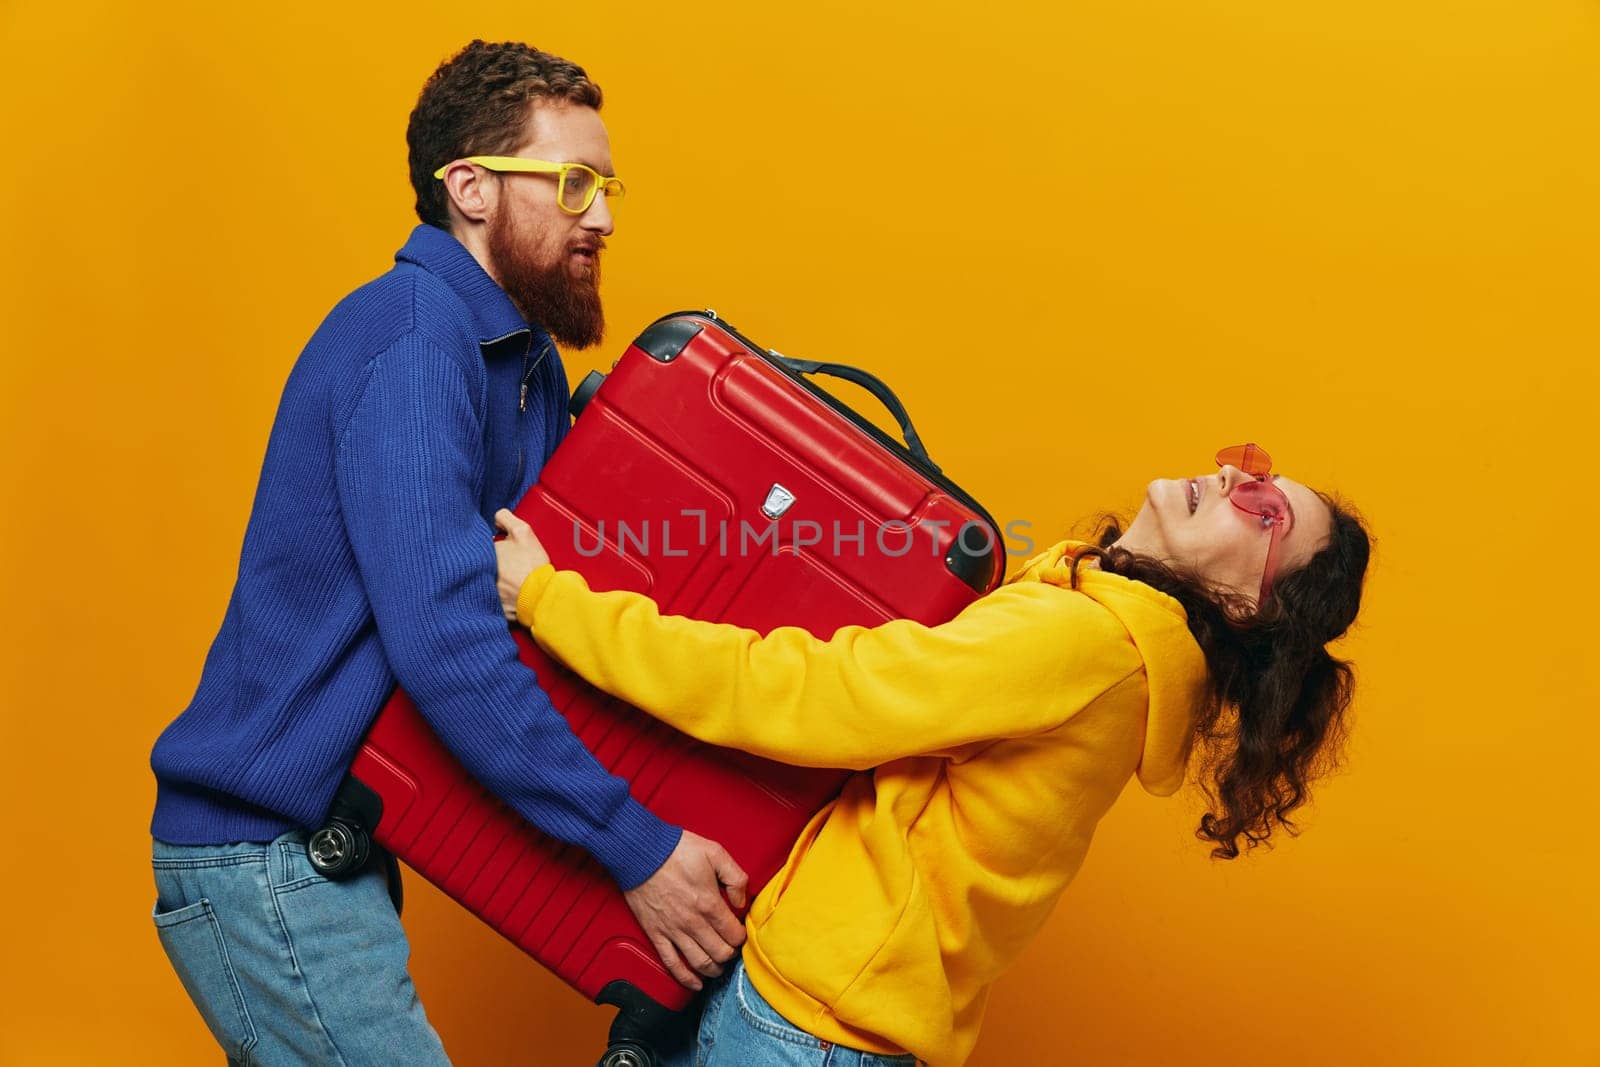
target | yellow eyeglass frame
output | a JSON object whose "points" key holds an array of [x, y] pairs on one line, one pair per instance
{"points": [[611, 186]]}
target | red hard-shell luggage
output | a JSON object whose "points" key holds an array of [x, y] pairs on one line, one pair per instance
{"points": [[717, 478]]}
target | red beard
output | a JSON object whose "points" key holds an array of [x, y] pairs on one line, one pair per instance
{"points": [[545, 291]]}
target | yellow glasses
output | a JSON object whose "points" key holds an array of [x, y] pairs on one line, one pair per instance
{"points": [[576, 184]]}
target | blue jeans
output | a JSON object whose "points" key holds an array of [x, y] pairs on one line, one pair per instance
{"points": [[740, 1029], [285, 966]]}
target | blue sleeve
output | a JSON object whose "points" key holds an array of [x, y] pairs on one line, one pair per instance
{"points": [[407, 462]]}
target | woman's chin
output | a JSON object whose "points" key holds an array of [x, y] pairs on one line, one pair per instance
{"points": [[1137, 531], [1161, 496], [1165, 501]]}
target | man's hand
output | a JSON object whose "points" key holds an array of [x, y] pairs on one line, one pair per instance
{"points": [[519, 554], [683, 913]]}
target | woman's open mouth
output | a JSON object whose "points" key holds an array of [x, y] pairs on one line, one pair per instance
{"points": [[1193, 487]]}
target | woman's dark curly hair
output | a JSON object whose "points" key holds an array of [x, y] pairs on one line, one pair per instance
{"points": [[476, 104], [1275, 715]]}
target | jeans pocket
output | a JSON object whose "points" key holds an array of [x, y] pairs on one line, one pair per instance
{"points": [[192, 938], [291, 865], [292, 870], [757, 1014]]}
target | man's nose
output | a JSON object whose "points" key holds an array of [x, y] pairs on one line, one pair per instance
{"points": [[598, 218]]}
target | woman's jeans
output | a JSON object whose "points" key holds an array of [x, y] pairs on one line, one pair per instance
{"points": [[740, 1029], [286, 966]]}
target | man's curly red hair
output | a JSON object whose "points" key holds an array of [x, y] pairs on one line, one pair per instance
{"points": [[477, 104]]}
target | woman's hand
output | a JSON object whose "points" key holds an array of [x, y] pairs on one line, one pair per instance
{"points": [[520, 554]]}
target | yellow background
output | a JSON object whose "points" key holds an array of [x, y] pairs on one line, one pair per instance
{"points": [[1088, 243]]}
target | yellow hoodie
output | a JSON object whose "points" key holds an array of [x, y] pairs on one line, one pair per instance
{"points": [[989, 747]]}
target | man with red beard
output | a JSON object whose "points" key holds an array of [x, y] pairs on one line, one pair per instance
{"points": [[428, 399]]}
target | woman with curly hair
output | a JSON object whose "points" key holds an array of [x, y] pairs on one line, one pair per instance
{"points": [[988, 747]]}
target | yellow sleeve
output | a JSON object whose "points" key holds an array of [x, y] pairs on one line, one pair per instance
{"points": [[1020, 660]]}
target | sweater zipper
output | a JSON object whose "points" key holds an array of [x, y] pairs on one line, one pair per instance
{"points": [[527, 373], [522, 406]]}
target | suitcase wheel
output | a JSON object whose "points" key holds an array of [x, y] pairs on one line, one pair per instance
{"points": [[339, 849], [628, 1054]]}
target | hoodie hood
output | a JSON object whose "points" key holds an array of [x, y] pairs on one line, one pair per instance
{"points": [[1175, 668]]}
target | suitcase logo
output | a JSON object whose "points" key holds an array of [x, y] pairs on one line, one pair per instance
{"points": [[779, 500]]}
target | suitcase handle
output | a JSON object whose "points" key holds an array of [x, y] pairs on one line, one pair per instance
{"points": [[872, 384]]}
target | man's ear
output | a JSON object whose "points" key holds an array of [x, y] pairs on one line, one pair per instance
{"points": [[469, 190]]}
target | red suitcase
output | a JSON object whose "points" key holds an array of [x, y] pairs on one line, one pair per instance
{"points": [[715, 477]]}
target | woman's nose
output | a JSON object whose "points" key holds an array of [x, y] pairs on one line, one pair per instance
{"points": [[1232, 476]]}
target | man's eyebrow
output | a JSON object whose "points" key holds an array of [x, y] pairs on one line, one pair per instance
{"points": [[1286, 503]]}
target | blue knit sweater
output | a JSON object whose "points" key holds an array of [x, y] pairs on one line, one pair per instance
{"points": [[369, 560]]}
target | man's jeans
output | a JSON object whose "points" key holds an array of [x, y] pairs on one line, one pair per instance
{"points": [[740, 1029], [286, 966]]}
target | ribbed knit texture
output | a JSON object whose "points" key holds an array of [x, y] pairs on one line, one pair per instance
{"points": [[369, 560]]}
